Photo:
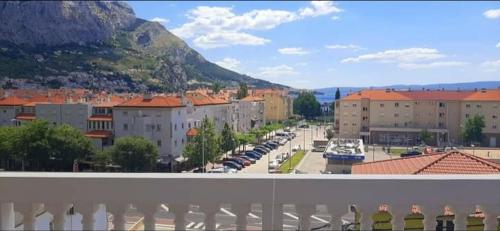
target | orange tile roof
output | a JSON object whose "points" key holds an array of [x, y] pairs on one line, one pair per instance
{"points": [[12, 101], [252, 98], [153, 102], [192, 132], [201, 100], [101, 118], [25, 116], [380, 94], [453, 162], [99, 134]]}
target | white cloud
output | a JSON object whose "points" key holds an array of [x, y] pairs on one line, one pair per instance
{"points": [[491, 65], [227, 38], [160, 20], [493, 13], [229, 63], [319, 8], [431, 65], [409, 55], [293, 51], [349, 46], [498, 45], [212, 27], [277, 71], [335, 18]]}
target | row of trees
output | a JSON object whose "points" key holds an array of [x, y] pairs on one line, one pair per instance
{"points": [[41, 146], [210, 146]]}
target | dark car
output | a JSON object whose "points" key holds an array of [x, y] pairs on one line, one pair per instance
{"points": [[265, 148], [252, 160], [253, 155], [238, 161], [411, 153], [304, 126], [245, 161], [260, 151], [272, 145], [232, 164]]}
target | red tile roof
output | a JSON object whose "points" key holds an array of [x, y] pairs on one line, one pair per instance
{"points": [[99, 134], [25, 116], [453, 162], [192, 132], [201, 100], [12, 101], [101, 118], [380, 94], [153, 102]]}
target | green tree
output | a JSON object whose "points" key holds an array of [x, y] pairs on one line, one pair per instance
{"points": [[244, 139], [425, 136], [216, 87], [205, 146], [32, 145], [134, 154], [306, 105], [242, 92], [337, 94], [7, 154], [472, 132], [329, 134], [228, 139], [68, 144]]}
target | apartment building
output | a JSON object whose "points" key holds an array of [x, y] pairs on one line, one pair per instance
{"points": [[160, 119], [253, 115], [278, 105], [200, 106], [398, 117]]}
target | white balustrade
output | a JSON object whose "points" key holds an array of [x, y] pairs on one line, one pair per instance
{"points": [[29, 193]]}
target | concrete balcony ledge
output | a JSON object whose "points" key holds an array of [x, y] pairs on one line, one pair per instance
{"points": [[57, 192]]}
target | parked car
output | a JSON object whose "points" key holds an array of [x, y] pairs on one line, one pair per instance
{"points": [[268, 146], [411, 153], [280, 158], [238, 161], [254, 155], [264, 147], [283, 141], [245, 161], [274, 171], [232, 164], [273, 164], [295, 148], [304, 126], [272, 144], [252, 160], [223, 169], [260, 151]]}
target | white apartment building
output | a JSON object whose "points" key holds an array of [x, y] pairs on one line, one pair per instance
{"points": [[161, 119]]}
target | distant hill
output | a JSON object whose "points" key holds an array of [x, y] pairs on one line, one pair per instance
{"points": [[99, 45], [328, 94]]}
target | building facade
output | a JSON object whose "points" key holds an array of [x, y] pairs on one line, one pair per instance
{"points": [[398, 117], [278, 105]]}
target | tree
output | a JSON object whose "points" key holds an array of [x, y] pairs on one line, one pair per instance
{"points": [[244, 139], [32, 146], [425, 136], [67, 144], [205, 146], [134, 154], [329, 134], [307, 105], [228, 139], [472, 132], [216, 87], [337, 94], [7, 154], [242, 92]]}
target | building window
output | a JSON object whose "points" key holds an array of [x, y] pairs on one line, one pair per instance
{"points": [[175, 143], [175, 127], [494, 116], [406, 124], [407, 105], [189, 125], [441, 115], [467, 105], [441, 104], [125, 127], [158, 127], [396, 115], [494, 126], [396, 125], [381, 105], [182, 125], [396, 104], [354, 105], [182, 140], [125, 113], [158, 143], [365, 109], [478, 106], [466, 115]]}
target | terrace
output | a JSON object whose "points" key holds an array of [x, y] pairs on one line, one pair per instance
{"points": [[24, 192]]}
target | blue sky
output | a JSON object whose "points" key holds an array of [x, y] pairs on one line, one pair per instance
{"points": [[339, 44]]}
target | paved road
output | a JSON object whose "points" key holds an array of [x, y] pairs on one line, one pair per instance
{"points": [[226, 219]]}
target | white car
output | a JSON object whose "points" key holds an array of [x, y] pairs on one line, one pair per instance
{"points": [[273, 164], [295, 148], [280, 158], [223, 169]]}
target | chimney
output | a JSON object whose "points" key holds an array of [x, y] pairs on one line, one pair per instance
{"points": [[387, 90], [483, 90], [147, 96]]}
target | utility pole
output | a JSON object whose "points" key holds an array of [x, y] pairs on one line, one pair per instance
{"points": [[203, 152]]}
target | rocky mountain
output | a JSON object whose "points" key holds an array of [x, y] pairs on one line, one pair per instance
{"points": [[99, 45]]}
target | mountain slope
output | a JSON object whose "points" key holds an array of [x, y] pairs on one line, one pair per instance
{"points": [[99, 45]]}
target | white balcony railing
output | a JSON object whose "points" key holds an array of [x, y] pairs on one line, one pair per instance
{"points": [[23, 192]]}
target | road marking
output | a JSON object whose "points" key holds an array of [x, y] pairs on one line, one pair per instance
{"points": [[164, 207], [190, 224], [136, 224], [319, 219], [227, 212], [199, 225], [253, 215], [291, 215]]}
